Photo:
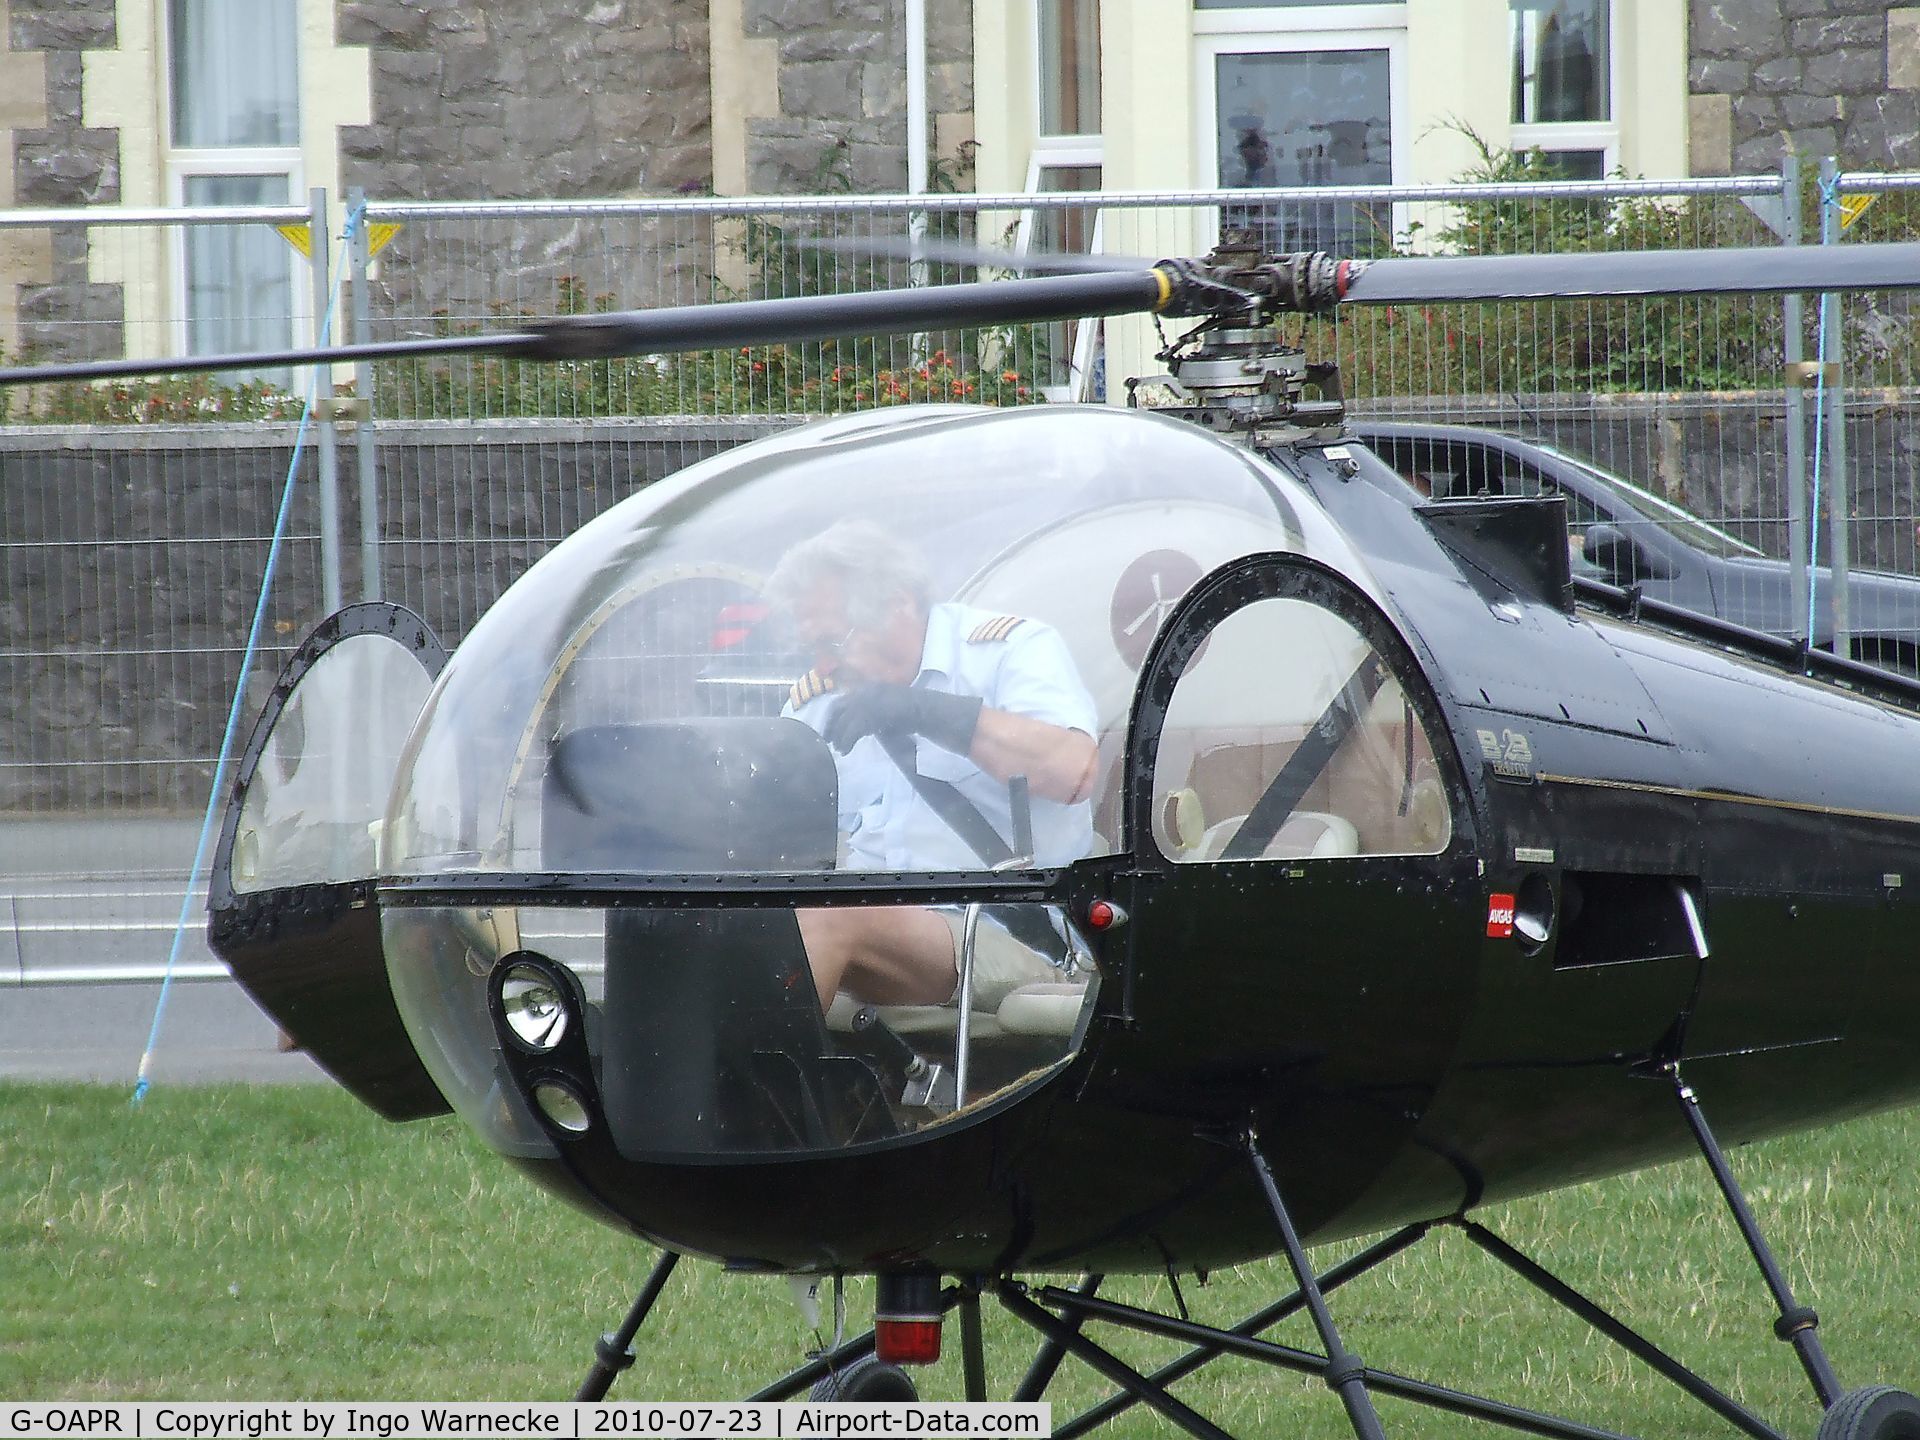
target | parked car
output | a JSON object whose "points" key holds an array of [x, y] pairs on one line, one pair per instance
{"points": [[1622, 534]]}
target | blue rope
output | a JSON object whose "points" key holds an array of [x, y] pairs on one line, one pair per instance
{"points": [[1829, 197], [143, 1080]]}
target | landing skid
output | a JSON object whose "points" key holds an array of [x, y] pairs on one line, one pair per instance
{"points": [[1060, 1316]]}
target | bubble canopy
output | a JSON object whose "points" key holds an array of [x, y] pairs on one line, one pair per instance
{"points": [[626, 706]]}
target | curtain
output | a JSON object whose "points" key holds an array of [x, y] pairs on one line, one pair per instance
{"points": [[239, 277]]}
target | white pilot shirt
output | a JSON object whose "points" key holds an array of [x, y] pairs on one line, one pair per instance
{"points": [[1020, 666]]}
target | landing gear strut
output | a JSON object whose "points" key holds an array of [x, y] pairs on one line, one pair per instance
{"points": [[1060, 1316]]}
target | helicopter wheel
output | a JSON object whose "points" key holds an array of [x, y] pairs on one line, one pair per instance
{"points": [[1878, 1412], [871, 1379]]}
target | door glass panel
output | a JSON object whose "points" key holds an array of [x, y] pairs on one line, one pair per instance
{"points": [[1289, 737], [1304, 118], [313, 806]]}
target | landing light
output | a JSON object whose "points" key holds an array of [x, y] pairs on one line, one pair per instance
{"points": [[532, 1007], [560, 1105]]}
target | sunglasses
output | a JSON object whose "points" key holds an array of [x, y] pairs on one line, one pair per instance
{"points": [[835, 648]]}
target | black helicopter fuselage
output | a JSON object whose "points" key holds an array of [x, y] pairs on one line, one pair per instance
{"points": [[1671, 849]]}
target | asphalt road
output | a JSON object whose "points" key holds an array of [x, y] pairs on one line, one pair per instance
{"points": [[85, 898], [211, 1031]]}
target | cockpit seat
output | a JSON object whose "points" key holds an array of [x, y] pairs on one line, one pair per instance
{"points": [[1042, 1009], [909, 1021], [1306, 834], [1037, 1009]]}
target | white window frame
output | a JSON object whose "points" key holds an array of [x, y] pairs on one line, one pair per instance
{"points": [[1286, 20], [181, 162], [1601, 135], [183, 165], [1378, 27], [1043, 139], [1063, 152]]}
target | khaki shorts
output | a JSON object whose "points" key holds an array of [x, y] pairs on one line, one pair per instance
{"points": [[1001, 964]]}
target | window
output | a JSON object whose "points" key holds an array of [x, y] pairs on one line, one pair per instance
{"points": [[1289, 737], [1302, 109], [1562, 78], [234, 109], [239, 287], [1066, 158], [235, 83], [1069, 67]]}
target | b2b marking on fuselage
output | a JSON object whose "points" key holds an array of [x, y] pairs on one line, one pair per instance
{"points": [[1509, 752]]}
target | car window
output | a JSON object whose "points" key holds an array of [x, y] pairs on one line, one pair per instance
{"points": [[1685, 527]]}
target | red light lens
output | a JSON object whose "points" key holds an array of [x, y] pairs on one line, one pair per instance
{"points": [[907, 1342], [1100, 915]]}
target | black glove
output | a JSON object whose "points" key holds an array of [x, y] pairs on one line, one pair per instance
{"points": [[880, 709]]}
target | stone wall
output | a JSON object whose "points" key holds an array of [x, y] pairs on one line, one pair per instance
{"points": [[60, 161], [131, 557], [842, 92], [1823, 77], [506, 100], [54, 159]]}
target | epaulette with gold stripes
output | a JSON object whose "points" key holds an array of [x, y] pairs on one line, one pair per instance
{"points": [[997, 628], [809, 687]]}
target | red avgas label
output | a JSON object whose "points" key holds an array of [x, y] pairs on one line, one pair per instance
{"points": [[1499, 917]]}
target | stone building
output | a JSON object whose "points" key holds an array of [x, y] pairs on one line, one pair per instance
{"points": [[1826, 77]]}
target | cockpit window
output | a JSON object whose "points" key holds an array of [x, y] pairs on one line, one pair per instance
{"points": [[1289, 736], [675, 667], [312, 811]]}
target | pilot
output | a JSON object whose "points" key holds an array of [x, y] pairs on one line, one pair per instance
{"points": [[931, 709]]}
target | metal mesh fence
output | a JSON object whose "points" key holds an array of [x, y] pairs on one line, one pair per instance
{"points": [[130, 552]]}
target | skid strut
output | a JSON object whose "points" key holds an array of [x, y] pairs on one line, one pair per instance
{"points": [[1345, 1375], [1059, 1315], [614, 1353], [1797, 1325]]}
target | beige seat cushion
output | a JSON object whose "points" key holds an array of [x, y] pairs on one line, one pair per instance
{"points": [[1042, 1009], [1306, 833]]}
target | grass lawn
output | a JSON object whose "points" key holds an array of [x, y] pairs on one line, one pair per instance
{"points": [[253, 1243]]}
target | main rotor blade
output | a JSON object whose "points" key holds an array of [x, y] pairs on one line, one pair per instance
{"points": [[1601, 274], [701, 327]]}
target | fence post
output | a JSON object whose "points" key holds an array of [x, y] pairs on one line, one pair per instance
{"points": [[330, 590], [366, 440], [1794, 320], [1835, 379]]}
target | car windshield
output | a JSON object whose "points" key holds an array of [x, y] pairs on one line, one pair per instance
{"points": [[1687, 528]]}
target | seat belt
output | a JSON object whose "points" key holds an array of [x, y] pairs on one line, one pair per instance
{"points": [[961, 815]]}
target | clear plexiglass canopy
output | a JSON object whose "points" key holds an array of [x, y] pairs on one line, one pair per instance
{"points": [[627, 705]]}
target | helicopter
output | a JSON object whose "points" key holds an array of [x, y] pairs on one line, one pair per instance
{"points": [[1423, 874]]}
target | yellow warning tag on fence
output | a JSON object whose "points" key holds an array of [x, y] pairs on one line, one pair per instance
{"points": [[1852, 207], [379, 233]]}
